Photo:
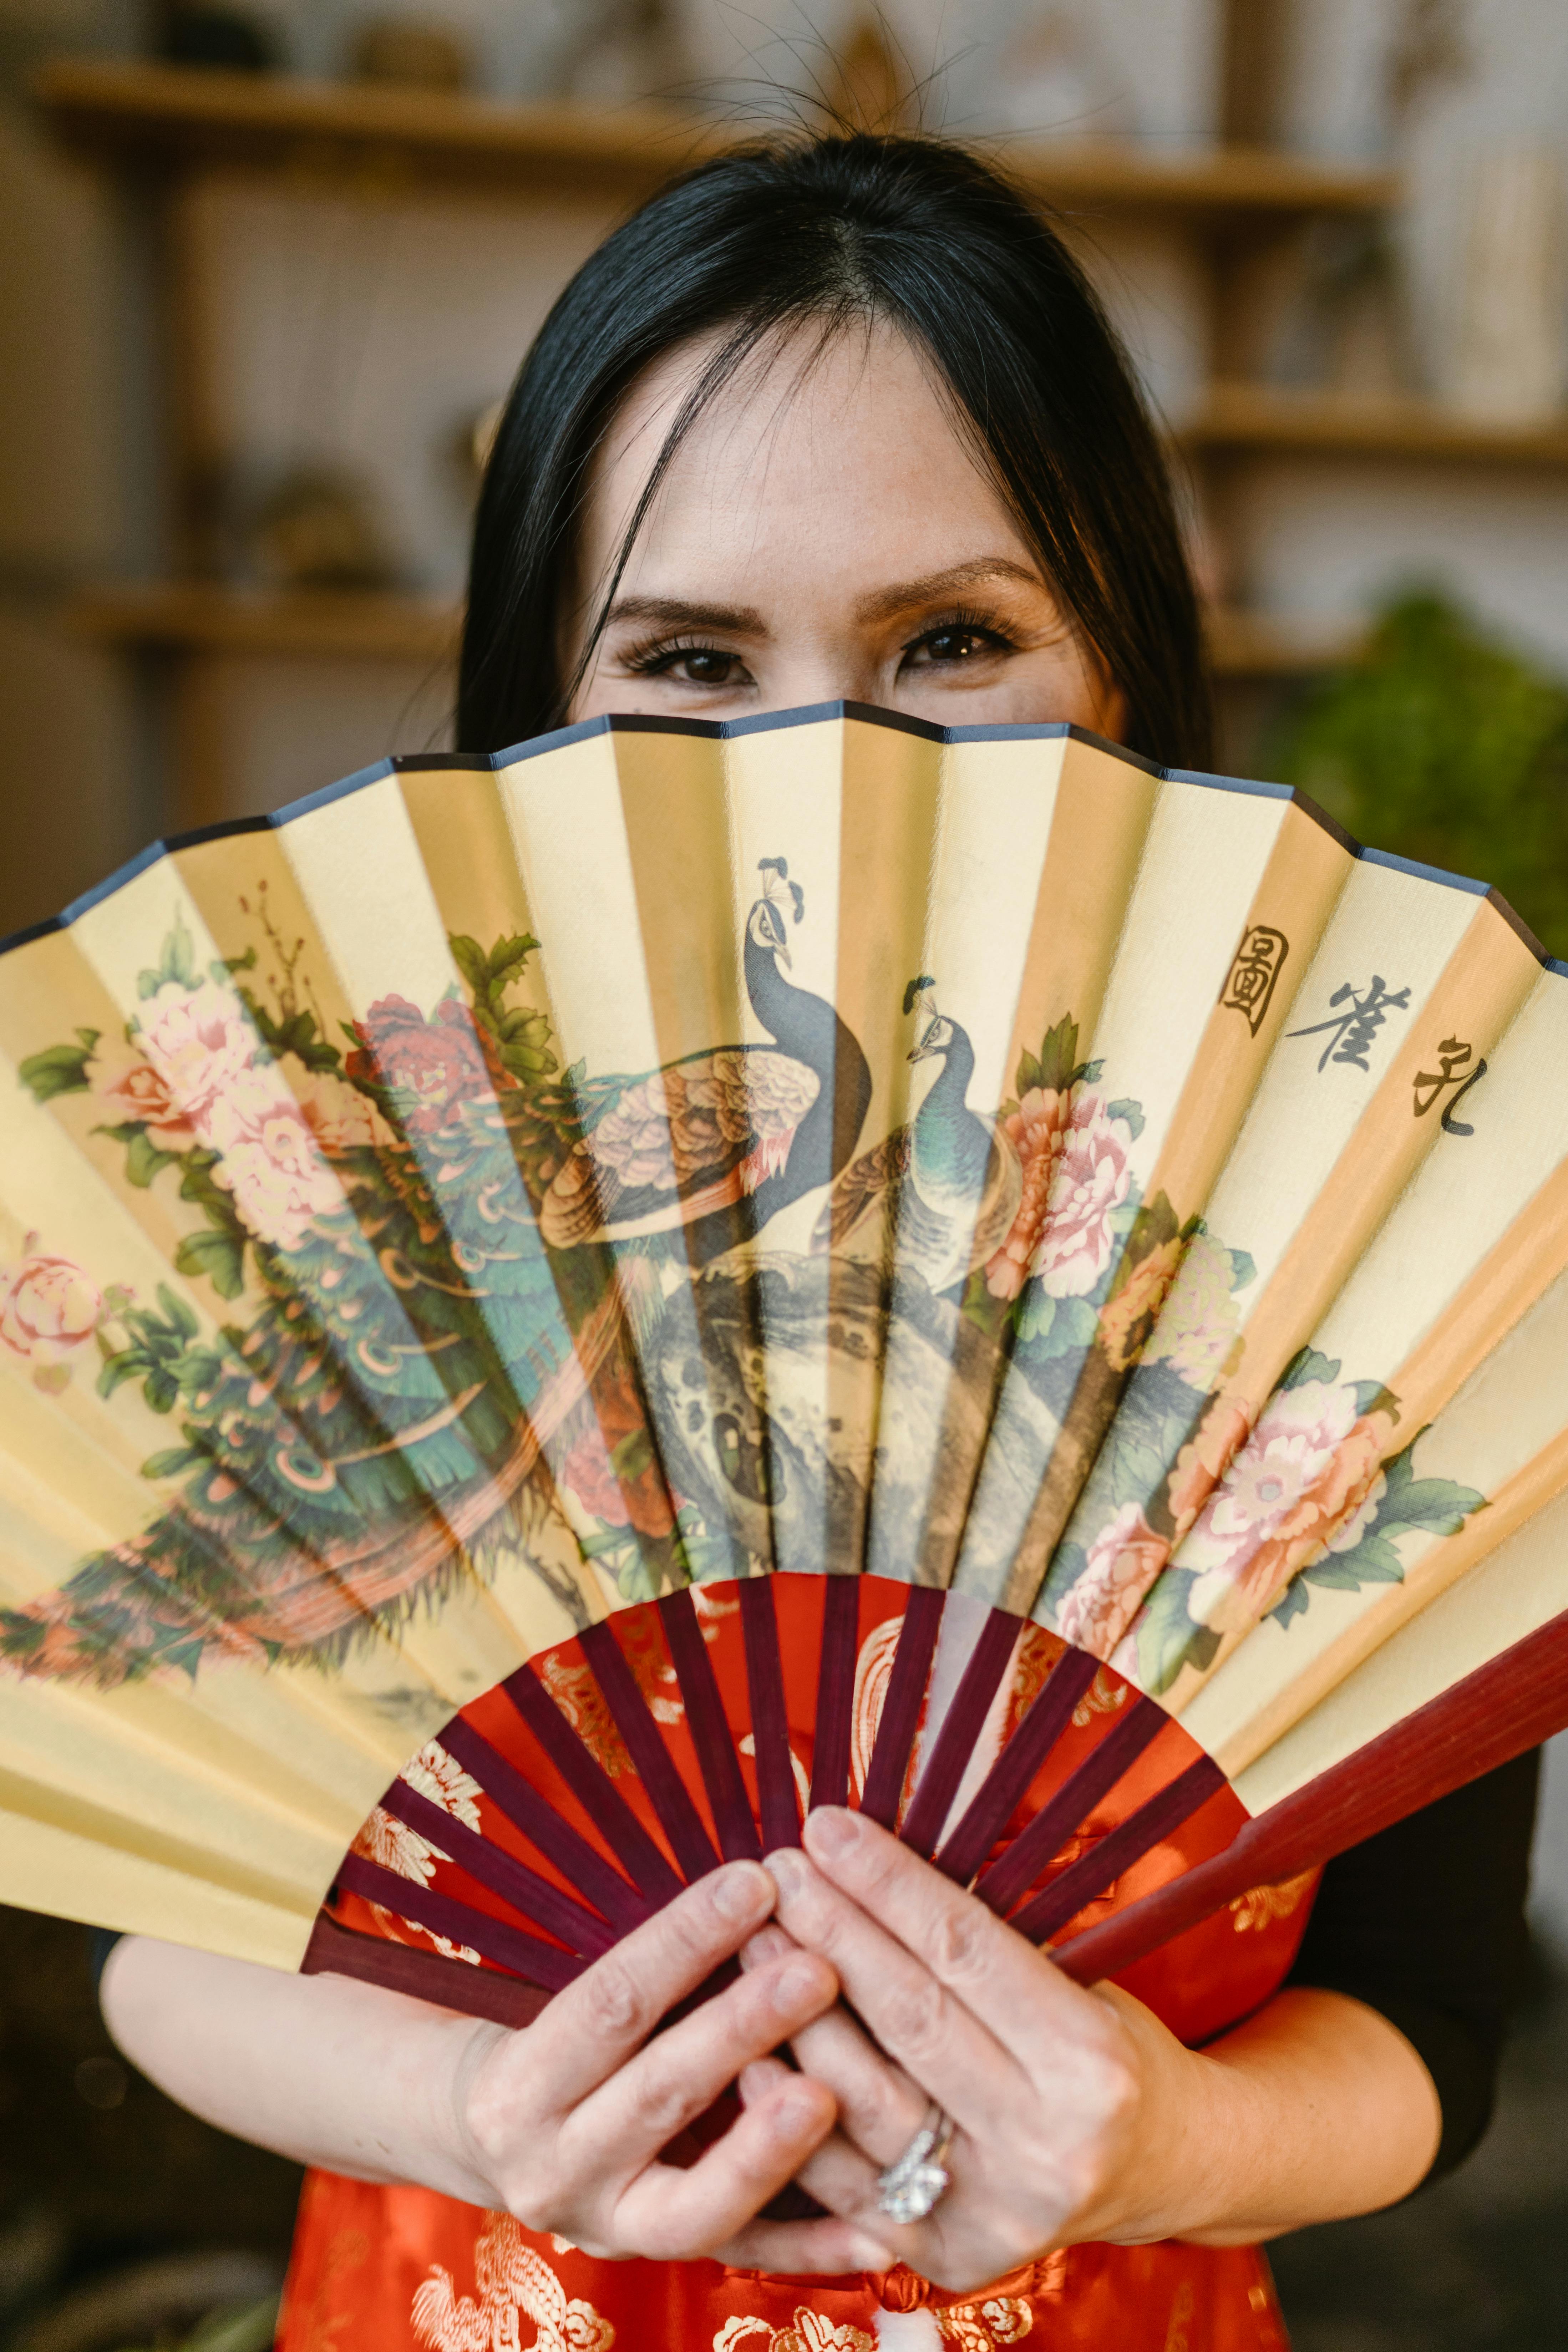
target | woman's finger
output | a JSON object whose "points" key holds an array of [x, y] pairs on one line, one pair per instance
{"points": [[995, 1972], [919, 2022], [594, 2026], [880, 2107], [671, 2215], [681, 2071]]}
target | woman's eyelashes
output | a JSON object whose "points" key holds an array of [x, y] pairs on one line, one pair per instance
{"points": [[958, 641], [688, 663]]}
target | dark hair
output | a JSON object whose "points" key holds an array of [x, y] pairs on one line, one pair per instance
{"points": [[912, 231]]}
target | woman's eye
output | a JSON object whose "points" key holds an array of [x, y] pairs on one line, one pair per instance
{"points": [[953, 646], [691, 665]]}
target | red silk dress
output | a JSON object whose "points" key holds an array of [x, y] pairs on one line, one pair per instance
{"points": [[404, 2270]]}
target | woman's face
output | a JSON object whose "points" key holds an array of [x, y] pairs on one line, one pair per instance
{"points": [[823, 533]]}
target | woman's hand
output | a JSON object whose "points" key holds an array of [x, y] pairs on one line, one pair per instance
{"points": [[562, 2124], [1078, 2116]]}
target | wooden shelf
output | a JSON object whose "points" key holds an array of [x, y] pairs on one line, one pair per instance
{"points": [[1256, 416], [180, 118], [204, 617], [183, 617]]}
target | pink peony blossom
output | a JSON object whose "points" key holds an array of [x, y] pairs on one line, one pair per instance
{"points": [[1197, 1331], [197, 1042], [1076, 1174], [132, 1090], [48, 1306], [1309, 1465], [1122, 1562], [431, 1066], [269, 1159], [340, 1118]]}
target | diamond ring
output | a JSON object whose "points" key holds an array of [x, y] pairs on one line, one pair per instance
{"points": [[907, 2191]]}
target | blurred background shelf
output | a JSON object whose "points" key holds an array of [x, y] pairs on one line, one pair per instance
{"points": [[1239, 416], [177, 117]]}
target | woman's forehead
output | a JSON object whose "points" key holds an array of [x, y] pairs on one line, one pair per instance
{"points": [[842, 442]]}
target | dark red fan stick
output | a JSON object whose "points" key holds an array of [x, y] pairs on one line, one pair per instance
{"points": [[1014, 1872], [770, 1722], [710, 1728], [834, 1692], [1513, 1702], [900, 1715], [636, 1852], [938, 1783], [336, 1951], [655, 1767], [1005, 1786], [442, 1915], [546, 1905], [537, 1818], [1093, 1872]]}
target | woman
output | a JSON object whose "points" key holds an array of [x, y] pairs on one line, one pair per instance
{"points": [[842, 421]]}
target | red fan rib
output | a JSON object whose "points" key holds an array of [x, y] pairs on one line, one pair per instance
{"points": [[539, 1821], [667, 1791], [548, 1906], [710, 1728], [638, 1855], [769, 1721], [937, 1784], [1093, 1874], [443, 1915], [834, 1692], [1014, 1873], [1005, 1786], [902, 1709]]}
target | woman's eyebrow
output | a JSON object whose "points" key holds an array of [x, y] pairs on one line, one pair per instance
{"points": [[676, 612], [885, 604]]}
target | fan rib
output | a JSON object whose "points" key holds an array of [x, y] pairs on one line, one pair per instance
{"points": [[1016, 1871], [1003, 1788], [710, 1728], [339, 1951], [637, 1853], [902, 1709], [955, 1742], [1095, 1873], [442, 1915], [546, 1905], [527, 1811], [831, 1737], [769, 1721], [655, 1767]]}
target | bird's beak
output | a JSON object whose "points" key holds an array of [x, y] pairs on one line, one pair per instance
{"points": [[783, 955], [921, 1054]]}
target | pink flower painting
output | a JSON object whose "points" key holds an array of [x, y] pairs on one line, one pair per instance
{"points": [[1076, 1174], [1308, 1467], [1123, 1561], [48, 1309]]}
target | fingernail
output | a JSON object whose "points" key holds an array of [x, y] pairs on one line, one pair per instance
{"points": [[832, 1831], [767, 1943], [738, 1891], [787, 1870], [797, 2108]]}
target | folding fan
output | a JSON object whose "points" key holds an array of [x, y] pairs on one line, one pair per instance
{"points": [[557, 1310]]}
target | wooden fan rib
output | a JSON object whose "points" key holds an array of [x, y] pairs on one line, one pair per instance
{"points": [[1086, 1784], [901, 1715], [710, 1729], [538, 1822], [1513, 1702], [666, 1790], [1095, 1873], [336, 1951], [442, 1915], [833, 1735], [586, 1777], [546, 1905], [1005, 1786], [769, 1720], [937, 1784]]}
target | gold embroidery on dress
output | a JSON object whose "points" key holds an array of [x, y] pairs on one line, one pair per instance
{"points": [[808, 2332], [1261, 1905], [978, 2326], [1180, 2311], [515, 2284]]}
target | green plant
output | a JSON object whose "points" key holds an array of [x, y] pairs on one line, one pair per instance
{"points": [[1444, 746]]}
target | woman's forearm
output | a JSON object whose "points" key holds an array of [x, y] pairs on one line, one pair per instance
{"points": [[1315, 2109], [322, 2070]]}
